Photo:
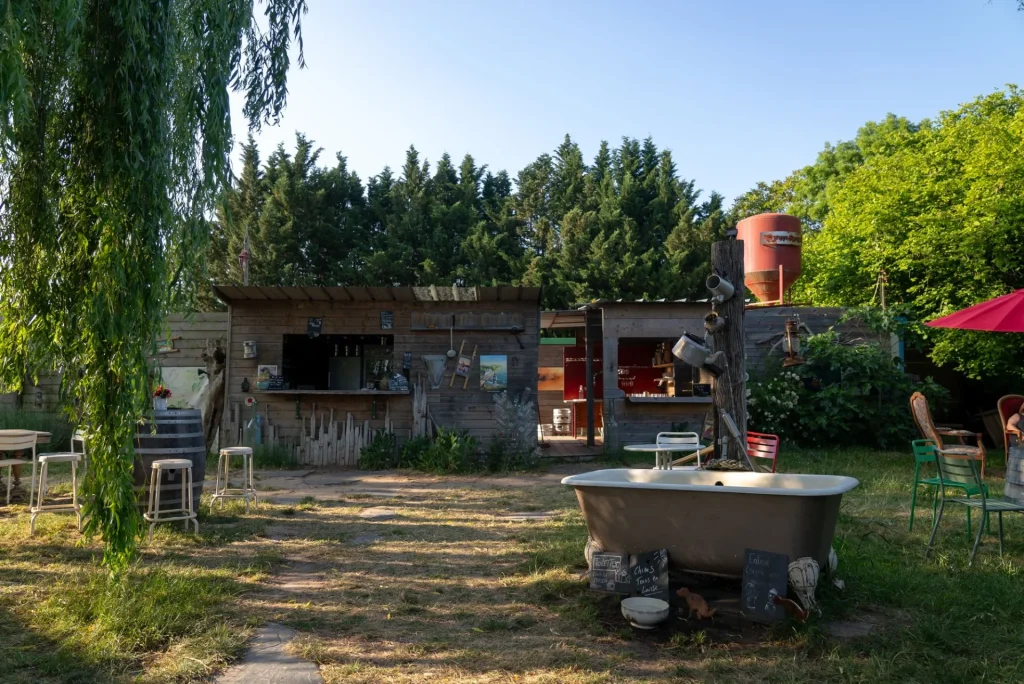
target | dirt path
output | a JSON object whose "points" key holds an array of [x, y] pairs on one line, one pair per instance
{"points": [[292, 486]]}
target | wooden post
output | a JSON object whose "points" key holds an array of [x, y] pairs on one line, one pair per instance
{"points": [[591, 331], [729, 389]]}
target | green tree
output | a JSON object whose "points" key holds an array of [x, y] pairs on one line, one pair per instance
{"points": [[119, 110], [941, 212]]}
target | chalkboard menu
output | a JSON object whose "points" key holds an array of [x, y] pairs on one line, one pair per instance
{"points": [[387, 320], [398, 383], [648, 573], [314, 326], [276, 382], [765, 576], [610, 572]]}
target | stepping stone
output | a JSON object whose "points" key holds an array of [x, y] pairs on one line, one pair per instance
{"points": [[378, 514], [366, 539], [281, 532], [528, 516], [850, 629], [267, 662]]}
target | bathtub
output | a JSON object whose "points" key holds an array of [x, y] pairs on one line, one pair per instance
{"points": [[707, 518]]}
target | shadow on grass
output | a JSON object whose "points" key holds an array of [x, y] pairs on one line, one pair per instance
{"points": [[28, 657]]}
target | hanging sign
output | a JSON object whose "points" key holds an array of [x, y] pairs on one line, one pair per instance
{"points": [[649, 574], [765, 576], [610, 572], [314, 326]]}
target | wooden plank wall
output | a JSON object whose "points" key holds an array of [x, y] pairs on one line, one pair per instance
{"points": [[764, 328], [193, 334], [266, 323]]}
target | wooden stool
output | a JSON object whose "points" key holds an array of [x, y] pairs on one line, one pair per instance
{"points": [[187, 511], [38, 506], [247, 490]]}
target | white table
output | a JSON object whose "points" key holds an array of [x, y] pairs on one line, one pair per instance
{"points": [[663, 453]]}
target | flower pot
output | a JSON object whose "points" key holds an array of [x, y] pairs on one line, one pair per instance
{"points": [[159, 404]]}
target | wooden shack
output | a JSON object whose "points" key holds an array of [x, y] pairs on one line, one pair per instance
{"points": [[316, 370], [637, 388]]}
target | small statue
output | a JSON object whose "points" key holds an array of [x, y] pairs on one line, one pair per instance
{"points": [[214, 356], [697, 604]]}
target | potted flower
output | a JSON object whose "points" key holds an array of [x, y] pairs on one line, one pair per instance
{"points": [[160, 396]]}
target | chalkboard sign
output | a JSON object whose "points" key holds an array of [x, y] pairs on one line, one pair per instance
{"points": [[765, 576], [610, 572], [398, 383], [387, 320], [276, 382], [648, 573], [406, 360], [314, 326]]}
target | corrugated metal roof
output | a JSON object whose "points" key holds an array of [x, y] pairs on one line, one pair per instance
{"points": [[574, 318], [601, 302], [433, 293]]}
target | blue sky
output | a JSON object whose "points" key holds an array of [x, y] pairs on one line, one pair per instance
{"points": [[739, 91]]}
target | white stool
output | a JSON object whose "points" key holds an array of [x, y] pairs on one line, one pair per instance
{"points": [[247, 490], [187, 511], [38, 506]]}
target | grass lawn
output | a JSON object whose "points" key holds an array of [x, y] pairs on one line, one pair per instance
{"points": [[448, 590]]}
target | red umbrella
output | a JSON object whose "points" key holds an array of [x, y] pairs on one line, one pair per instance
{"points": [[1002, 314]]}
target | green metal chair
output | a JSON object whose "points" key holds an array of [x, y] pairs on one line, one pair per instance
{"points": [[924, 453], [958, 469]]}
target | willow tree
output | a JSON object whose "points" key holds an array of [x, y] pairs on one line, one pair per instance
{"points": [[114, 144]]}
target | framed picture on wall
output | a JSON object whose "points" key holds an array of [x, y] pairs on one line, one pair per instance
{"points": [[493, 372], [462, 367]]}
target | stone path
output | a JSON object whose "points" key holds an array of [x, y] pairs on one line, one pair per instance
{"points": [[267, 661]]}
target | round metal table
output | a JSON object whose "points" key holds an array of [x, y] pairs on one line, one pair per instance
{"points": [[663, 453]]}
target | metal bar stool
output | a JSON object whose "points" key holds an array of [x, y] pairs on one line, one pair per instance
{"points": [[187, 510], [38, 506], [247, 490]]}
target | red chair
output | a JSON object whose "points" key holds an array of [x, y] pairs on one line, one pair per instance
{"points": [[1007, 406], [760, 445]]}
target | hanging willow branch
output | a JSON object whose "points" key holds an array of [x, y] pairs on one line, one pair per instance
{"points": [[114, 142]]}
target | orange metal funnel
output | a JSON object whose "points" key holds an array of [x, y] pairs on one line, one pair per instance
{"points": [[770, 241]]}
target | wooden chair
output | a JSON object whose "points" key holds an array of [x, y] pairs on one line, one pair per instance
{"points": [[964, 472], [761, 445], [22, 441], [1007, 406], [923, 418]]}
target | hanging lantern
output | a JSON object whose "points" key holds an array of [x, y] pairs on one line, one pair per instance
{"points": [[791, 345]]}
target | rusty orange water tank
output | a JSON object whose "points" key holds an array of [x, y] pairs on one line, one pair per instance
{"points": [[770, 241]]}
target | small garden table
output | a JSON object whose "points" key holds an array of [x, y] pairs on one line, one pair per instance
{"points": [[663, 453]]}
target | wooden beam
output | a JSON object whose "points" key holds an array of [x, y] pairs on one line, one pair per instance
{"points": [[729, 389], [593, 334]]}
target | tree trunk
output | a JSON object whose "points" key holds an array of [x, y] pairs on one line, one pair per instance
{"points": [[730, 388]]}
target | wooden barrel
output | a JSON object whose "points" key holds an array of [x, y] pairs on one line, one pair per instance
{"points": [[175, 433], [1014, 487]]}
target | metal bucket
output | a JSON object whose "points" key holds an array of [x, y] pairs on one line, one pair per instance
{"points": [[691, 349], [171, 434]]}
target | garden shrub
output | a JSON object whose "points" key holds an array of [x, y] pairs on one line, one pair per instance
{"points": [[451, 452], [514, 447], [412, 452], [381, 453], [842, 395], [56, 424]]}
